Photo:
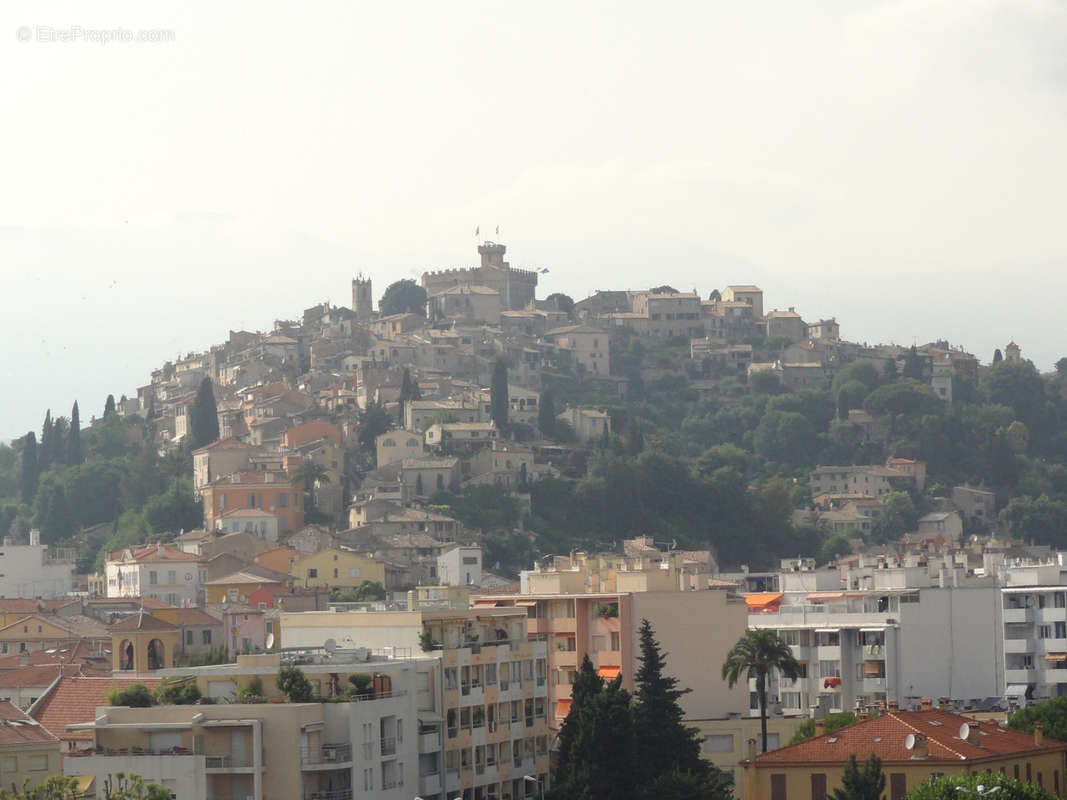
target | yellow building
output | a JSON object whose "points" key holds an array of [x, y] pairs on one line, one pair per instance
{"points": [[724, 741], [238, 587], [913, 746], [339, 568], [28, 753]]}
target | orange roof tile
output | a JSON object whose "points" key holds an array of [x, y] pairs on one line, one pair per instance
{"points": [[75, 700], [17, 728], [884, 736]]}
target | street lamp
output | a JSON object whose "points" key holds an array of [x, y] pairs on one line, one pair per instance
{"points": [[540, 786]]}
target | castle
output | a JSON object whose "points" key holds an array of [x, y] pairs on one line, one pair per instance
{"points": [[362, 301], [515, 286]]}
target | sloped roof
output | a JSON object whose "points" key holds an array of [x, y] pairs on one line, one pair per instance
{"points": [[78, 652], [192, 616], [75, 699], [884, 736], [142, 622], [148, 553], [18, 728], [44, 675]]}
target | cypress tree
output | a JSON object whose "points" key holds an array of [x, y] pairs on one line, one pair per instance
{"points": [[31, 471], [498, 394], [109, 405], [409, 390], [45, 451], [204, 416], [997, 356], [663, 741], [546, 414], [75, 455]]}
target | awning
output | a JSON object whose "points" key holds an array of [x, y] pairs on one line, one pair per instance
{"points": [[828, 630], [609, 673], [1056, 657], [486, 603], [822, 597], [525, 603], [1016, 690], [873, 669], [568, 634], [563, 707], [872, 630], [763, 601]]}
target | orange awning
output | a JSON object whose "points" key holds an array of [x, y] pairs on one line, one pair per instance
{"points": [[1056, 657], [822, 597], [563, 707], [609, 673], [525, 603], [763, 601]]}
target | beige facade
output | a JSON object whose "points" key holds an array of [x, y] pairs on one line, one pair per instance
{"points": [[724, 741], [671, 314], [469, 303], [397, 445], [589, 347], [750, 295]]}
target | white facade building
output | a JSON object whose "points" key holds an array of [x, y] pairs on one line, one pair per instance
{"points": [[35, 570], [460, 566], [160, 571]]}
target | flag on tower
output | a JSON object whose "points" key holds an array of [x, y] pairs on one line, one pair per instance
{"points": [[497, 230], [476, 229]]}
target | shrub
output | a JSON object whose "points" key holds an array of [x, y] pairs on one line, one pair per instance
{"points": [[361, 680], [136, 695], [293, 683], [949, 787], [180, 692]]}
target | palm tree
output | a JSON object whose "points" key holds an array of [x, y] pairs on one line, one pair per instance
{"points": [[760, 651]]}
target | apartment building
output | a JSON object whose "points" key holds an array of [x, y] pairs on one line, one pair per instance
{"points": [[160, 571], [494, 689], [268, 490], [1034, 629], [596, 609], [888, 631], [36, 570]]}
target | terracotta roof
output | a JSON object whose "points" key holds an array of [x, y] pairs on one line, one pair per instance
{"points": [[76, 625], [884, 736], [224, 444], [75, 700], [147, 553], [44, 674], [249, 576], [144, 602], [79, 652], [17, 728], [142, 622], [192, 616]]}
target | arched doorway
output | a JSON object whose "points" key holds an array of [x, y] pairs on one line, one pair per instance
{"points": [[126, 654], [155, 654]]}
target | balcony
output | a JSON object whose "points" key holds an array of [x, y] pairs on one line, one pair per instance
{"points": [[429, 743], [389, 746], [329, 756], [226, 763], [338, 794], [1026, 645], [1018, 675], [429, 784], [1017, 615]]}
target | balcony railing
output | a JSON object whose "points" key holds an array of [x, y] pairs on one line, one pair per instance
{"points": [[225, 762], [389, 746], [327, 754], [337, 794]]}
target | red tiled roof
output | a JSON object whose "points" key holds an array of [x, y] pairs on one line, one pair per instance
{"points": [[17, 728], [884, 736], [44, 674], [192, 616], [142, 622], [144, 602], [76, 699], [78, 652], [147, 553]]}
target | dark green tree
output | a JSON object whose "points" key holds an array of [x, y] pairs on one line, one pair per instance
{"points": [[311, 473], [1051, 714], [561, 302], [174, 510], [760, 651], [635, 440], [373, 422], [954, 787], [498, 393], [861, 783], [546, 414], [913, 365], [46, 450], [204, 416], [30, 468], [293, 683], [1061, 367], [997, 356], [409, 390], [403, 296], [664, 742], [109, 405], [75, 455]]}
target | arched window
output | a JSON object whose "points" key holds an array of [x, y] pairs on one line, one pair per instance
{"points": [[126, 654], [389, 443], [155, 654]]}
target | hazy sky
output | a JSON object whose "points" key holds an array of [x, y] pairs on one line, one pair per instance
{"points": [[899, 165]]}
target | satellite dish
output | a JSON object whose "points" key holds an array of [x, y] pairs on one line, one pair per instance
{"points": [[330, 645], [909, 741], [270, 641], [965, 731]]}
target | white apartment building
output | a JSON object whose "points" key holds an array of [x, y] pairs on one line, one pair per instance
{"points": [[895, 631], [460, 566], [160, 571], [35, 570], [1034, 614]]}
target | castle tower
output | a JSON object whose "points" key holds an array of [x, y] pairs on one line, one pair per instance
{"points": [[1012, 352], [362, 298], [493, 255]]}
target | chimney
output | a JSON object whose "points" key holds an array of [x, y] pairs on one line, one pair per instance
{"points": [[1039, 735], [926, 704], [751, 749], [921, 749], [894, 706], [944, 703], [820, 727]]}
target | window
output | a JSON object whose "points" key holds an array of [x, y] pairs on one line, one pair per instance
{"points": [[898, 786], [354, 572], [172, 577], [38, 763], [189, 637], [1044, 632], [827, 639], [153, 579], [1061, 630], [1059, 599], [206, 636], [719, 743], [829, 669], [818, 786], [10, 764], [312, 572], [283, 500], [490, 674], [778, 786]]}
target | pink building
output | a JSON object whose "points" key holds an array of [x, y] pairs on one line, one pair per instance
{"points": [[244, 628]]}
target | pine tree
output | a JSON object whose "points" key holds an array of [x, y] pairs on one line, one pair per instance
{"points": [[661, 738], [109, 405], [498, 394], [636, 440], [997, 356], [409, 390], [31, 471], [866, 783], [45, 451], [204, 416], [75, 455]]}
